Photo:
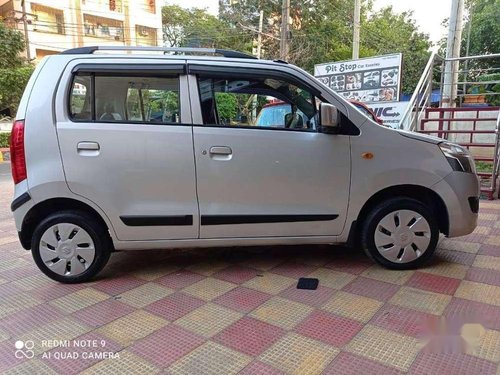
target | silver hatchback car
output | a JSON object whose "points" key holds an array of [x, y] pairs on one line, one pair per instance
{"points": [[118, 151]]}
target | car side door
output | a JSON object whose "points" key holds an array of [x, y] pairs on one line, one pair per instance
{"points": [[126, 143], [286, 179]]}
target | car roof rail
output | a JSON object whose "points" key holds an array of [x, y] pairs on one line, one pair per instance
{"points": [[212, 51]]}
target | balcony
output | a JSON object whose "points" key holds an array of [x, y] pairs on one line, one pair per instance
{"points": [[47, 20], [103, 28]]}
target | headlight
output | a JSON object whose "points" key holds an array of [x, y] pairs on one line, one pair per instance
{"points": [[459, 157]]}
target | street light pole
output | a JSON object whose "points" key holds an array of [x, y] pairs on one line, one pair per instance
{"points": [[356, 29]]}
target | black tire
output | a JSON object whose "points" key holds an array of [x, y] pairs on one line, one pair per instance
{"points": [[379, 212], [98, 233]]}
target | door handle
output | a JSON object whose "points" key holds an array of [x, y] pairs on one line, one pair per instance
{"points": [[87, 146], [220, 150]]}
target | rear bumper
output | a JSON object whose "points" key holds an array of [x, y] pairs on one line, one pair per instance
{"points": [[460, 193]]}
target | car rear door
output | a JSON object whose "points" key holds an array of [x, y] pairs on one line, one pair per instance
{"points": [[125, 135]]}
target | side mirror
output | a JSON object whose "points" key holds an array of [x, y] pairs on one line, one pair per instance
{"points": [[329, 119]]}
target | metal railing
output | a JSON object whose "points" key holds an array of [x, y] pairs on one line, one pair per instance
{"points": [[421, 98]]}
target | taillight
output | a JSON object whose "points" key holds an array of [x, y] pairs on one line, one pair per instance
{"points": [[17, 156]]}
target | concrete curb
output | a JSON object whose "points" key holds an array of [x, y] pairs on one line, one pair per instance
{"points": [[4, 154]]}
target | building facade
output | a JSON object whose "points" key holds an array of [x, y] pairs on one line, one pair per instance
{"points": [[56, 25]]}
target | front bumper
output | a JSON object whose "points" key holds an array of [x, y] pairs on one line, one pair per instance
{"points": [[459, 192]]}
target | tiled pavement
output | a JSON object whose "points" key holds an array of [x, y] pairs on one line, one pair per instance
{"points": [[224, 311]]}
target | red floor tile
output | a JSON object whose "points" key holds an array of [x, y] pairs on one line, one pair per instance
{"points": [[249, 336], [354, 266], [51, 292], [489, 250], [453, 256], [9, 289], [433, 283], [174, 306], [167, 345], [180, 279], [7, 355], [405, 321], [260, 368], [29, 319], [103, 312], [329, 328], [67, 366], [242, 299], [236, 274], [453, 364], [460, 311], [370, 288], [482, 275], [316, 298], [118, 285], [293, 270], [350, 364]]}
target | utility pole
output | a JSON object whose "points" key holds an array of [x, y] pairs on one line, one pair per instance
{"points": [[452, 51], [284, 43], [26, 36], [259, 35], [259, 50], [357, 27]]}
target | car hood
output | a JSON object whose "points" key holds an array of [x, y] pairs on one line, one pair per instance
{"points": [[420, 137]]}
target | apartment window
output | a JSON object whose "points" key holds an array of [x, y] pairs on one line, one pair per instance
{"points": [[145, 36], [101, 27], [151, 6], [48, 20]]}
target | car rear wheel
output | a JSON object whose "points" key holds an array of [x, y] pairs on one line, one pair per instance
{"points": [[400, 233], [70, 246]]}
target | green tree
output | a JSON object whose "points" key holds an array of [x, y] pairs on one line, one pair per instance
{"points": [[14, 70], [485, 27], [196, 28], [388, 32]]}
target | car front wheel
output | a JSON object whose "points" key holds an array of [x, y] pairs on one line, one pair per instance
{"points": [[400, 233]]}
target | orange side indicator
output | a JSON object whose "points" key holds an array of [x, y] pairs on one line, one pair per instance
{"points": [[367, 155]]}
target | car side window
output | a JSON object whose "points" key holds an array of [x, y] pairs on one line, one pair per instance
{"points": [[258, 102], [80, 100], [134, 99]]}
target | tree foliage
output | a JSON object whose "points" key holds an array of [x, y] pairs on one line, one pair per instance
{"points": [[321, 31], [14, 70]]}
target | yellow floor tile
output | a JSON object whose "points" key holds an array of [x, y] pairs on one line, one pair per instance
{"points": [[422, 300], [352, 306], [210, 359], [282, 312], [127, 363], [389, 348], [270, 283], [390, 276], [487, 261], [209, 288], [457, 245], [332, 279], [132, 327], [79, 300], [296, 354], [208, 320], [145, 295], [479, 292]]}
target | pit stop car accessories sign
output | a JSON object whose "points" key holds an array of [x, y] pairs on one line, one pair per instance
{"points": [[370, 80]]}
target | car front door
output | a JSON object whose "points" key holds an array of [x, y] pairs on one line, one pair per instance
{"points": [[126, 142], [285, 179]]}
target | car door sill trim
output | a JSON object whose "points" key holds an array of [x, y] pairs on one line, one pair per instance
{"points": [[260, 219], [146, 221]]}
